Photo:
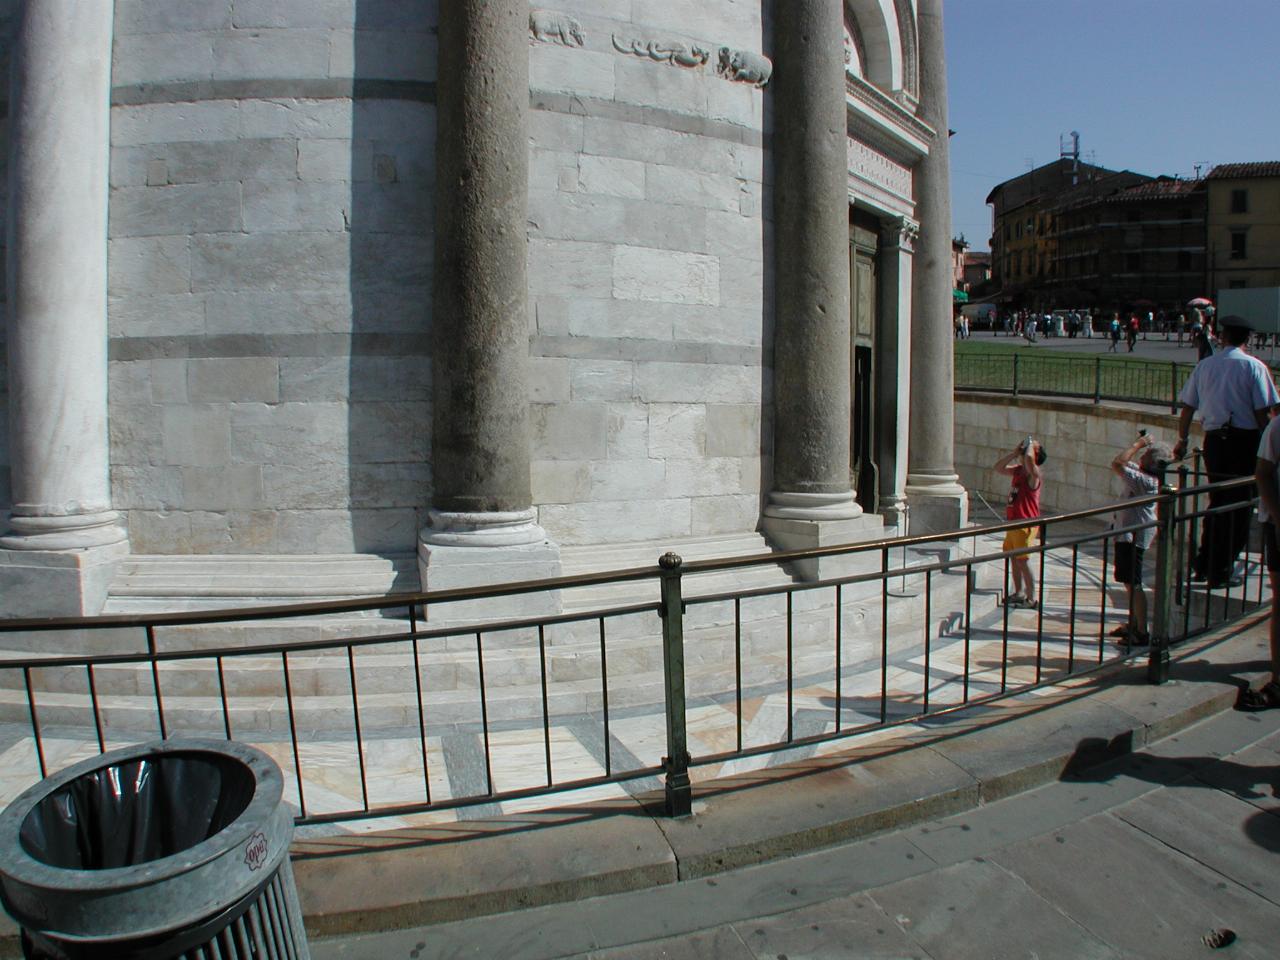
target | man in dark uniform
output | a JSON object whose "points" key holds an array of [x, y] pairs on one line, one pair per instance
{"points": [[1233, 393]]}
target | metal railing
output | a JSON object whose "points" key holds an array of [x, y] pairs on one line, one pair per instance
{"points": [[904, 629], [1095, 378]]}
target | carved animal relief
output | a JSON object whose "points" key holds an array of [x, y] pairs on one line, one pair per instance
{"points": [[548, 26], [673, 52], [744, 66]]}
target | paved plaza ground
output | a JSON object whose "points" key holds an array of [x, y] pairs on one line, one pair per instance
{"points": [[1139, 858]]}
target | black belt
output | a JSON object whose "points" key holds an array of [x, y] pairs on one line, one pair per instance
{"points": [[1229, 431]]}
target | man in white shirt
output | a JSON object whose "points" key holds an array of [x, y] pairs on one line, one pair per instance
{"points": [[1233, 393]]}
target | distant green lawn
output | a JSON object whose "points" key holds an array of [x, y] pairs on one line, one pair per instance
{"points": [[990, 365]]}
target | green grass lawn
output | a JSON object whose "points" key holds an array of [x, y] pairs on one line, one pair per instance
{"points": [[988, 365]]}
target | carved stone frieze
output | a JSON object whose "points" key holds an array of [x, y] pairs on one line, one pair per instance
{"points": [[664, 51], [550, 26], [879, 169], [744, 66]]}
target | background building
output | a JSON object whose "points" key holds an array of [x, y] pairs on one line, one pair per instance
{"points": [[1138, 248], [1027, 238], [341, 298], [1243, 225]]}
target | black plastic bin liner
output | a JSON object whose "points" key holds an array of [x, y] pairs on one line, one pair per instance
{"points": [[138, 811]]}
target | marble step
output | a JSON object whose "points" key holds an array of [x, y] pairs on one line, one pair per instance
{"points": [[200, 582], [388, 703], [320, 683]]}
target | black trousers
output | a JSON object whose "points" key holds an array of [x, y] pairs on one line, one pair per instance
{"points": [[1228, 453]]}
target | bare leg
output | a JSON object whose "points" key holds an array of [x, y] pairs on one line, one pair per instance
{"points": [[1275, 627], [1138, 608]]}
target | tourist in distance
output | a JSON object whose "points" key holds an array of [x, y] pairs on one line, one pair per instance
{"points": [[1022, 466], [1233, 393], [1268, 479], [1139, 467], [1114, 330]]}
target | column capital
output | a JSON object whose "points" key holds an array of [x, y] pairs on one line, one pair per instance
{"points": [[900, 234]]}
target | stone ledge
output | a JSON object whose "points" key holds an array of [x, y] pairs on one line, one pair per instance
{"points": [[887, 781]]}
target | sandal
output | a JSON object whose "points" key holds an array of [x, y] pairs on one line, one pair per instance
{"points": [[1015, 600], [1121, 631], [1266, 697]]}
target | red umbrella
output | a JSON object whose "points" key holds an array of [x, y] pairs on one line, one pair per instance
{"points": [[1200, 302]]}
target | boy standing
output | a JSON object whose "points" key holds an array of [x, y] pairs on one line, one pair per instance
{"points": [[1022, 466], [1138, 468]]}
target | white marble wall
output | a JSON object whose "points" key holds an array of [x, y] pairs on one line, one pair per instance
{"points": [[270, 284], [647, 278]]}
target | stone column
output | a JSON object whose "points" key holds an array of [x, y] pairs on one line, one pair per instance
{"points": [[893, 367], [812, 500], [937, 500], [63, 538], [482, 528]]}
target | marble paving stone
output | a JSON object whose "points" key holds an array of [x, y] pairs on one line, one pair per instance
{"points": [[1190, 818], [1137, 900], [853, 928], [722, 943], [978, 910]]}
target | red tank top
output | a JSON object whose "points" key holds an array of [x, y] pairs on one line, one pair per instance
{"points": [[1024, 503]]}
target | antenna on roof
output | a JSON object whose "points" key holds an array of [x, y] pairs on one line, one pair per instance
{"points": [[1073, 152]]}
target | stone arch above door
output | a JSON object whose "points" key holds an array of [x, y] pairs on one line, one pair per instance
{"points": [[873, 42]]}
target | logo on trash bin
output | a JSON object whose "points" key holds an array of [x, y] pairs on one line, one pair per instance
{"points": [[255, 852]]}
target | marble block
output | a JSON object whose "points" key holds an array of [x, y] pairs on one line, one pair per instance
{"points": [[449, 567], [57, 583], [791, 534]]}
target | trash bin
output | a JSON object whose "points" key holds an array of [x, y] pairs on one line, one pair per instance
{"points": [[177, 848]]}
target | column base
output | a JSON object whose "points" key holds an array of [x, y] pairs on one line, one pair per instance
{"points": [[58, 583], [939, 504], [789, 534], [470, 550]]}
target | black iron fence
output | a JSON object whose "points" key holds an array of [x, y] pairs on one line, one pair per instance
{"points": [[401, 714], [1096, 378]]}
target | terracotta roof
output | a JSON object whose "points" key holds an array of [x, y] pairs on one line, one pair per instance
{"points": [[1162, 189], [1238, 171]]}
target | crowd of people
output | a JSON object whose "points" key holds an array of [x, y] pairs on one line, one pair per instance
{"points": [[1193, 326], [1235, 398]]}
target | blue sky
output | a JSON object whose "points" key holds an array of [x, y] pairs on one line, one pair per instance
{"points": [[1154, 86]]}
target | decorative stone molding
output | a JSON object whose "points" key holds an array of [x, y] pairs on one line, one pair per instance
{"points": [[744, 66], [550, 26], [886, 106], [664, 51]]}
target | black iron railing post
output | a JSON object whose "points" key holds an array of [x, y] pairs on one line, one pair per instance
{"points": [[1162, 614], [1015, 374], [1173, 386], [1097, 379], [679, 793]]}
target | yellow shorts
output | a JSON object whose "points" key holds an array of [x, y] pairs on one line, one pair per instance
{"points": [[1020, 537]]}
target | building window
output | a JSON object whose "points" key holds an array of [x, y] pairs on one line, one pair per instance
{"points": [[1239, 201], [1184, 261], [1238, 284], [1239, 247], [1132, 262], [1006, 231]]}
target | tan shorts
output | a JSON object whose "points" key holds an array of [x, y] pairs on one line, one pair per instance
{"points": [[1020, 537]]}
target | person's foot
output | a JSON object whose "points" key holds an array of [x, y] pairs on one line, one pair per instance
{"points": [[1265, 698], [1014, 600], [1225, 582]]}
